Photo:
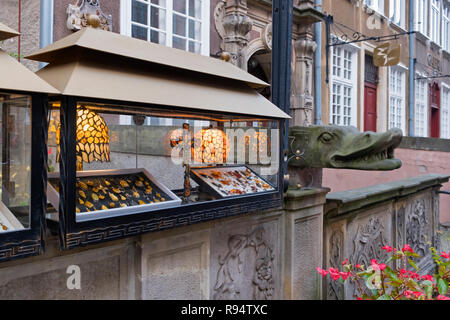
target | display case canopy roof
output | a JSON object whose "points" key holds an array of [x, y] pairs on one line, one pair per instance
{"points": [[6, 32], [14, 75], [99, 64]]}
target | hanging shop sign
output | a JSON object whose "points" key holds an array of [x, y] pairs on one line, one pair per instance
{"points": [[136, 121], [23, 112], [387, 54]]}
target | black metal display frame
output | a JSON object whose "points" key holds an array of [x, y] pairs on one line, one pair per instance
{"points": [[30, 242], [73, 234]]}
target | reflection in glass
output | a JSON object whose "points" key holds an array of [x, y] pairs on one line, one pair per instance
{"points": [[16, 162]]}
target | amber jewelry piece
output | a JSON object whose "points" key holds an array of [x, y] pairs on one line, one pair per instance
{"points": [[211, 146]]}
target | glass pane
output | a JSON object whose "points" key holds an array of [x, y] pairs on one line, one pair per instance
{"points": [[179, 43], [194, 47], [195, 30], [161, 3], [16, 162], [157, 37], [158, 18], [139, 32], [195, 8], [145, 150], [179, 25], [179, 6], [139, 12]]}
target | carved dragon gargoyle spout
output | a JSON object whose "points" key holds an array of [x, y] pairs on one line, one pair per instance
{"points": [[342, 147]]}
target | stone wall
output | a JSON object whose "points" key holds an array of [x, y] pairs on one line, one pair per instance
{"points": [[357, 223], [264, 255]]}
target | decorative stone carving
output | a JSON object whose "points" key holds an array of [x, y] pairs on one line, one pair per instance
{"points": [[231, 265], [343, 147], [416, 228], [335, 290], [367, 244], [267, 37], [78, 15], [301, 89], [233, 25]]}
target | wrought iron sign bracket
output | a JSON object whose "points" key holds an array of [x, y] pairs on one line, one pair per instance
{"points": [[344, 36]]}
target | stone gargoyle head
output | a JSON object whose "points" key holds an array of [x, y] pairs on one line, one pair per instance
{"points": [[342, 147]]}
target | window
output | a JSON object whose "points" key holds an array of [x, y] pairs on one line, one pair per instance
{"points": [[421, 16], [15, 178], [421, 110], [446, 27], [445, 113], [397, 99], [397, 12], [435, 19], [181, 24], [343, 86], [377, 5]]}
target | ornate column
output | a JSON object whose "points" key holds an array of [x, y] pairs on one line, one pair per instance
{"points": [[236, 26], [302, 100]]}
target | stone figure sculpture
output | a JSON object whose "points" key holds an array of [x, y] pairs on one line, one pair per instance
{"points": [[343, 147]]}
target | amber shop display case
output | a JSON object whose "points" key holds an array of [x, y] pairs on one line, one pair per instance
{"points": [[142, 135]]}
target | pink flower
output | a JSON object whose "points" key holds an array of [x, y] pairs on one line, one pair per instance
{"points": [[322, 272], [334, 273], [50, 151], [376, 266], [407, 293], [407, 248], [345, 275], [345, 262], [388, 248], [445, 255], [417, 294], [442, 297], [359, 266], [359, 298], [427, 277]]}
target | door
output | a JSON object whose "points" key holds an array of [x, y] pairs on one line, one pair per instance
{"points": [[370, 107], [435, 106]]}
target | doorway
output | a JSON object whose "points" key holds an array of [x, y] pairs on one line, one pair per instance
{"points": [[435, 106], [370, 94]]}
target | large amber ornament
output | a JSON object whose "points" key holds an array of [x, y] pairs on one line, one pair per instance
{"points": [[92, 138], [211, 146]]}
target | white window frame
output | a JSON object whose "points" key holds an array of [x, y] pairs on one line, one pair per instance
{"points": [[397, 12], [446, 26], [421, 129], [125, 22], [397, 112], [445, 112], [435, 18], [377, 5], [342, 117], [421, 17]]}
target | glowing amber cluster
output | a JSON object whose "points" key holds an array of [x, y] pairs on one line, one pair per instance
{"points": [[261, 141], [211, 146], [92, 137]]}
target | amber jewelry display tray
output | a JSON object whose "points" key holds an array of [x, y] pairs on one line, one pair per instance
{"points": [[8, 220], [230, 181], [159, 197]]}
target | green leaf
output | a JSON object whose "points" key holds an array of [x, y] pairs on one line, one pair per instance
{"points": [[384, 297], [391, 273], [428, 288], [413, 264], [389, 259], [394, 284], [442, 286]]}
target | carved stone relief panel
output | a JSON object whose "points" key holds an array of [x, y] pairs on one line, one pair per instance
{"points": [[245, 261], [78, 16], [334, 289]]}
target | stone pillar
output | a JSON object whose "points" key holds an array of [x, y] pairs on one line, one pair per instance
{"points": [[236, 26], [303, 243], [302, 100]]}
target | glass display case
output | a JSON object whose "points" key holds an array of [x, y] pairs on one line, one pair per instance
{"points": [[154, 143], [23, 128]]}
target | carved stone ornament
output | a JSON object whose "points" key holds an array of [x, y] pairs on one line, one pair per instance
{"points": [[78, 16], [416, 228], [219, 15], [367, 244], [231, 266], [267, 37], [335, 290]]}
